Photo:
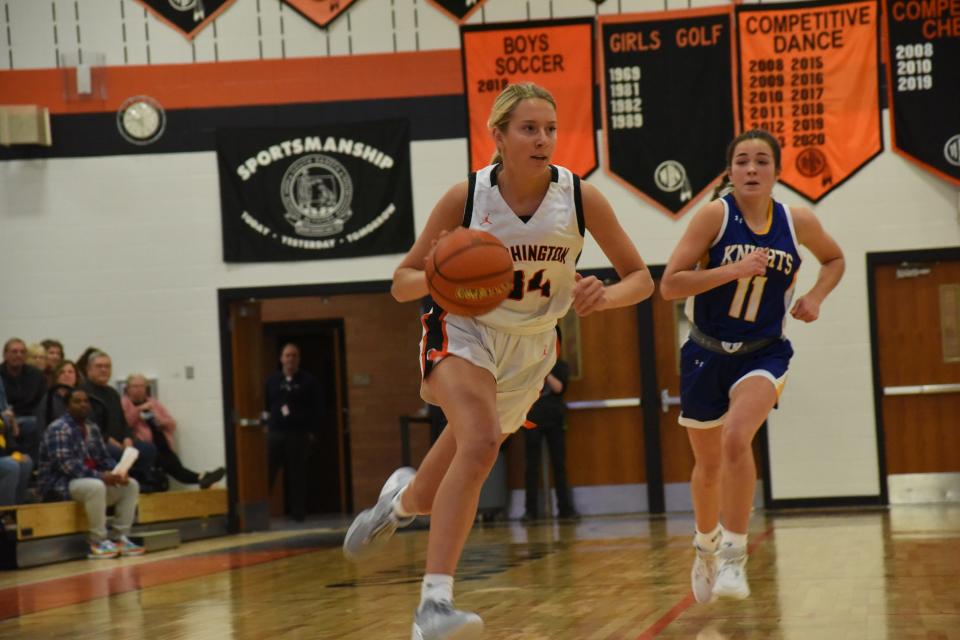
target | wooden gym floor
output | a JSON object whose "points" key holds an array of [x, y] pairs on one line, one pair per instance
{"points": [[840, 575]]}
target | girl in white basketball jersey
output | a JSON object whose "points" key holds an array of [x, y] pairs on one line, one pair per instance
{"points": [[486, 372]]}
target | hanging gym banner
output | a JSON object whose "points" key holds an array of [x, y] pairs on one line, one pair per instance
{"points": [[668, 101], [320, 12], [189, 17], [555, 54], [809, 75], [458, 10], [329, 191], [923, 80]]}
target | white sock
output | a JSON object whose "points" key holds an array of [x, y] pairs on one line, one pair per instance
{"points": [[398, 509], [731, 539], [709, 541], [437, 587]]}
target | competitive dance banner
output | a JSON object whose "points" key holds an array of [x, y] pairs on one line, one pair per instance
{"points": [[189, 17], [328, 191], [923, 80], [555, 54], [320, 12], [809, 74], [668, 106], [458, 10]]}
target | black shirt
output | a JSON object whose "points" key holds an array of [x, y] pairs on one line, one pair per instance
{"points": [[25, 390], [108, 415], [301, 397]]}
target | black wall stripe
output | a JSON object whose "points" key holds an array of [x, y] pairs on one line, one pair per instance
{"points": [[96, 134], [468, 207]]}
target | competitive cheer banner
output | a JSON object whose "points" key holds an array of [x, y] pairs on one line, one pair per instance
{"points": [[328, 191], [557, 55], [458, 10], [189, 17], [320, 12], [667, 99], [809, 75], [923, 80]]}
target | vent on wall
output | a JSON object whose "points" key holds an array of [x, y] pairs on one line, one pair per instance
{"points": [[24, 124]]}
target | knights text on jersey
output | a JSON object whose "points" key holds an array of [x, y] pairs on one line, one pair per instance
{"points": [[545, 249], [756, 307]]}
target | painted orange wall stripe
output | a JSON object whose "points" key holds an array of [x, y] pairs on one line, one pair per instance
{"points": [[249, 82]]}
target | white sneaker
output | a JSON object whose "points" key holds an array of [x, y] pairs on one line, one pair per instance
{"points": [[438, 620], [703, 574], [374, 526], [731, 580]]}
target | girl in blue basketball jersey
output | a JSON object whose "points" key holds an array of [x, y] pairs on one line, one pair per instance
{"points": [[737, 266]]}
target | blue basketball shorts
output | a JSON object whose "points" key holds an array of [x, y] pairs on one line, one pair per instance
{"points": [[707, 378]]}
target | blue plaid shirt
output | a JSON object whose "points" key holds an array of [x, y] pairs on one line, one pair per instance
{"points": [[64, 449]]}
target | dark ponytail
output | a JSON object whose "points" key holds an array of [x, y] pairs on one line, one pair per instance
{"points": [[722, 187]]}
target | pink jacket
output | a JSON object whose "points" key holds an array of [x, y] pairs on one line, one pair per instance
{"points": [[141, 429]]}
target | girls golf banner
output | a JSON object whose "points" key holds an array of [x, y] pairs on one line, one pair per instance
{"points": [[320, 12], [188, 17], [329, 191], [809, 75], [668, 102], [557, 55], [924, 83]]}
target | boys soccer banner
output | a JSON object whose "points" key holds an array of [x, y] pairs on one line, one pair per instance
{"points": [[555, 54], [924, 83], [809, 75], [320, 12], [668, 102], [189, 17], [458, 10], [329, 191]]}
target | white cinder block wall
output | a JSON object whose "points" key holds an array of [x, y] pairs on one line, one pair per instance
{"points": [[125, 252]]}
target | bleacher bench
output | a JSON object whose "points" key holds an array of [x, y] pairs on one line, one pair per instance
{"points": [[36, 534]]}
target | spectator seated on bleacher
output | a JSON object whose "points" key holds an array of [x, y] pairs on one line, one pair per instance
{"points": [[25, 386], [54, 402], [109, 416], [74, 465], [151, 422], [15, 467]]}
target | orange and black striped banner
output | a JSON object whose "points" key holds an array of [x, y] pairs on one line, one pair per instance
{"points": [[320, 12], [189, 17], [809, 74], [557, 55], [459, 10], [668, 106], [923, 83]]}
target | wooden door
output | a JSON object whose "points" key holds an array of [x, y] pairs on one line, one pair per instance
{"points": [[605, 446], [917, 312], [250, 468]]}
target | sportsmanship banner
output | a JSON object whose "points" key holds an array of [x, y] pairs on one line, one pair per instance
{"points": [[320, 12], [924, 83], [668, 101], [189, 17], [557, 55], [336, 191], [458, 10], [809, 75]]}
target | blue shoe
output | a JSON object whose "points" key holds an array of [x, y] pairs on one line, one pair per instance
{"points": [[103, 550], [126, 547]]}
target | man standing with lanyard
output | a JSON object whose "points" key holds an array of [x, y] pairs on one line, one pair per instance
{"points": [[293, 412]]}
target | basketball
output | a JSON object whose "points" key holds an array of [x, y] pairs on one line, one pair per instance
{"points": [[469, 272]]}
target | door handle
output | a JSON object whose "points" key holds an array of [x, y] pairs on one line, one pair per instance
{"points": [[667, 401], [249, 422], [610, 403], [921, 390]]}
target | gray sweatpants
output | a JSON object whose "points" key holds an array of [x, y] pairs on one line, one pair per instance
{"points": [[96, 496]]}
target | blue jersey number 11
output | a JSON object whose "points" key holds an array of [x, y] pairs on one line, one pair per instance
{"points": [[755, 284]]}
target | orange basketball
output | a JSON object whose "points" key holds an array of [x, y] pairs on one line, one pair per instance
{"points": [[469, 272]]}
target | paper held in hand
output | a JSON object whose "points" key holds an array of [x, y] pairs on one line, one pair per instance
{"points": [[126, 461]]}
